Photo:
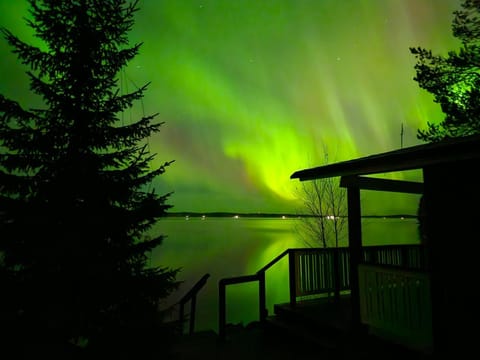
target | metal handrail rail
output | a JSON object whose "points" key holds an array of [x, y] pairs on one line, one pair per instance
{"points": [[274, 261], [191, 296], [258, 276], [222, 308]]}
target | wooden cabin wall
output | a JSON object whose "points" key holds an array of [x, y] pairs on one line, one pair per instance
{"points": [[452, 200]]}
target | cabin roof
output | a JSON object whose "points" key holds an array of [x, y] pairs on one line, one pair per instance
{"points": [[410, 158]]}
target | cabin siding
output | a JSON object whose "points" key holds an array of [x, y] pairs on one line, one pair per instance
{"points": [[452, 200]]}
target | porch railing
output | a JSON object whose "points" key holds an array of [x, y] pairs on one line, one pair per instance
{"points": [[396, 303], [312, 273]]}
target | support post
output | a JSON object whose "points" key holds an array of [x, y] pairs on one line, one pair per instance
{"points": [[292, 278], [181, 314], [263, 312], [221, 310], [355, 246], [193, 306]]}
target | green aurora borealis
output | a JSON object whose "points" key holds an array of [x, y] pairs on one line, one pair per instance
{"points": [[253, 90]]}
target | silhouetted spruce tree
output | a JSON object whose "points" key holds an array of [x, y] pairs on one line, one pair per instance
{"points": [[75, 208], [454, 80]]}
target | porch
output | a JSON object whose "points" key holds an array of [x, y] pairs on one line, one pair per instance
{"points": [[448, 182], [394, 299]]}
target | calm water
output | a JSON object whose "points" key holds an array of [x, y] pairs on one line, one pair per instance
{"points": [[227, 247]]}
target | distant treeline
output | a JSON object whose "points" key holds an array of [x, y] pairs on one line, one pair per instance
{"points": [[270, 215]]}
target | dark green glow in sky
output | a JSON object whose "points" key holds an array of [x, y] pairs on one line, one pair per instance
{"points": [[251, 91]]}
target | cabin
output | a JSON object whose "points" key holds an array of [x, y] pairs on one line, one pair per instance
{"points": [[442, 304], [422, 296]]}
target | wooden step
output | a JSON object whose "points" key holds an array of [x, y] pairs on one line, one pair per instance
{"points": [[303, 331], [320, 313]]}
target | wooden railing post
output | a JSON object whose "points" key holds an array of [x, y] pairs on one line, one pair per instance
{"points": [[262, 297], [336, 275], [181, 314], [193, 306], [221, 310], [355, 248], [292, 274]]}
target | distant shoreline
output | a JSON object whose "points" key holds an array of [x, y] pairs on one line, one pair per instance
{"points": [[270, 215]]}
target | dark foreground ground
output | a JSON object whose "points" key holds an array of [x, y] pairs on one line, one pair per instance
{"points": [[249, 343], [316, 329], [242, 343]]}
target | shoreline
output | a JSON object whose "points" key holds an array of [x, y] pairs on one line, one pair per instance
{"points": [[270, 215]]}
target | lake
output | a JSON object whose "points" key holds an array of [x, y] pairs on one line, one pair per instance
{"points": [[229, 247]]}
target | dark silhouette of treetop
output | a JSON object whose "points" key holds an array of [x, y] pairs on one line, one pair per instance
{"points": [[75, 206], [454, 80]]}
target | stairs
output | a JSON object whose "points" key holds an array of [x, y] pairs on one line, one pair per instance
{"points": [[311, 329], [328, 326], [318, 321]]}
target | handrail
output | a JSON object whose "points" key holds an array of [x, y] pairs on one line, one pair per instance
{"points": [[222, 308], [191, 295], [275, 260], [260, 277], [289, 250], [238, 279]]}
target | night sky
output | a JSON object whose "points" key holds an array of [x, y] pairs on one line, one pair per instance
{"points": [[253, 90]]}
